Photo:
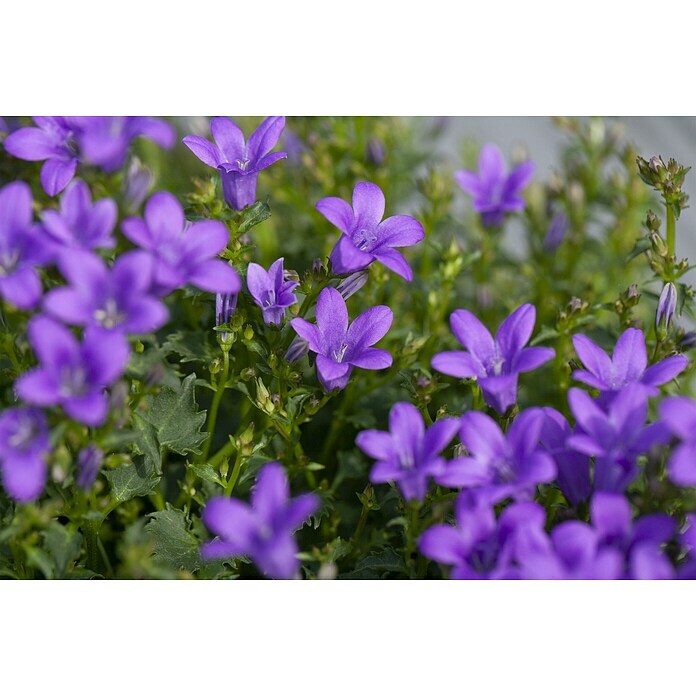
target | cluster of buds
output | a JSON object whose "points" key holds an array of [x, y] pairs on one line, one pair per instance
{"points": [[665, 178], [569, 315], [625, 302]]}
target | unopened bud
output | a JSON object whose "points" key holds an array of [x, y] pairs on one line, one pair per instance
{"points": [[666, 306]]}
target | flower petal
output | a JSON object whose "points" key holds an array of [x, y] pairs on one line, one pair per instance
{"points": [[207, 152], [472, 334], [56, 174], [630, 357], [368, 205], [347, 258], [515, 332], [369, 327], [229, 138], [372, 359], [216, 275], [266, 136], [337, 212], [332, 318], [309, 332], [458, 363], [665, 370], [394, 261], [400, 231]]}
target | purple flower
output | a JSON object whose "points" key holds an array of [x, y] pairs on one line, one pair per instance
{"points": [[495, 192], [639, 542], [501, 465], [80, 224], [89, 463], [104, 140], [270, 292], [481, 548], [64, 141], [556, 232], [21, 248], [263, 531], [340, 347], [183, 253], [626, 366], [238, 162], [576, 554], [573, 468], [497, 363], [615, 437], [115, 299], [366, 237], [73, 374], [52, 140], [611, 547], [678, 414], [408, 454], [666, 305], [24, 446]]}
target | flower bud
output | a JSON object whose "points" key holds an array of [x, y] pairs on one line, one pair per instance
{"points": [[666, 306], [556, 232], [297, 349], [658, 244], [350, 285], [376, 153], [89, 462]]}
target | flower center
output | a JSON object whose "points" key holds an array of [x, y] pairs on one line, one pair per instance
{"points": [[339, 354], [270, 298], [26, 432], [109, 316], [242, 164], [73, 381], [8, 261], [364, 239], [504, 471]]}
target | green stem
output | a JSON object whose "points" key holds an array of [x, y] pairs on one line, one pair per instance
{"points": [[212, 418], [94, 559], [671, 236], [223, 452], [238, 463]]}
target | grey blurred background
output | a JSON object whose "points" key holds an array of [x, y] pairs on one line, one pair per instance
{"points": [[652, 135]]}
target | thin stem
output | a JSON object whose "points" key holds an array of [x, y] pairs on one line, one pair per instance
{"points": [[212, 418], [238, 462], [671, 236]]}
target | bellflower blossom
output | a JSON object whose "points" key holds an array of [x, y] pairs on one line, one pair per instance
{"points": [[238, 162], [340, 347], [408, 454], [480, 547], [71, 374], [79, 223], [687, 539], [263, 531], [678, 413], [24, 447], [183, 253], [22, 250], [64, 141], [501, 465], [556, 232], [494, 363], [615, 437], [365, 236], [495, 191], [573, 468], [104, 140], [116, 299], [611, 547], [270, 292], [626, 366]]}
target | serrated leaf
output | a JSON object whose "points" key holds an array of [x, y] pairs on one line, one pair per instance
{"points": [[131, 480], [63, 544], [207, 473], [173, 541], [191, 346], [175, 417], [387, 559], [253, 215]]}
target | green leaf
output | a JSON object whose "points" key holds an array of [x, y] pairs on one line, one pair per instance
{"points": [[63, 544], [191, 346], [175, 417], [131, 480], [387, 559], [207, 473], [641, 246], [173, 541], [253, 215]]}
